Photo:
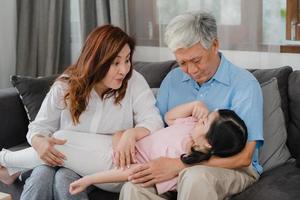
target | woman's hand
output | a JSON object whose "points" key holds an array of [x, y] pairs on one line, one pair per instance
{"points": [[200, 111], [79, 185], [44, 146], [124, 148]]}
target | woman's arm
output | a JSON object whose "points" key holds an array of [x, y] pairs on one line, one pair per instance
{"points": [[124, 145], [196, 109], [146, 119], [110, 176], [46, 123]]}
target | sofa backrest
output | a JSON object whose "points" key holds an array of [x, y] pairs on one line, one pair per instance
{"points": [[293, 140], [154, 73], [13, 119]]}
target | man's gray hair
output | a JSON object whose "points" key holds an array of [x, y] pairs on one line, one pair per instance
{"points": [[187, 29]]}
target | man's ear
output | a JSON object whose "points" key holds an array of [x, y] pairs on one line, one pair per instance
{"points": [[215, 46]]}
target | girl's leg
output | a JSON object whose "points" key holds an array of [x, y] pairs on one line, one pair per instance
{"points": [[6, 178], [12, 163], [86, 153]]}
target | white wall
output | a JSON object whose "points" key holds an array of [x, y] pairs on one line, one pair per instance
{"points": [[8, 27], [246, 59]]}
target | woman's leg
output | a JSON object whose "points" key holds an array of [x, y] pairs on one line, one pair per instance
{"points": [[40, 184], [63, 178]]}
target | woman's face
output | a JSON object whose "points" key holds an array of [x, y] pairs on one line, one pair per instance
{"points": [[200, 130], [117, 70]]}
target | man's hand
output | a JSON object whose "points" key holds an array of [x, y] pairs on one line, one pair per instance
{"points": [[156, 171], [44, 146]]}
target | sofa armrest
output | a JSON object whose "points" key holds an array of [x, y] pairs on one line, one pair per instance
{"points": [[13, 119]]}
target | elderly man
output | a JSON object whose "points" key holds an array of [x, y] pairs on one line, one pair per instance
{"points": [[204, 74]]}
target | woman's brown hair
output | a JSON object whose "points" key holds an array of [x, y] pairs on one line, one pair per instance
{"points": [[99, 51]]}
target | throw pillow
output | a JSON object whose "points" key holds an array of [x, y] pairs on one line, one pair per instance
{"points": [[282, 75], [274, 151], [32, 92]]}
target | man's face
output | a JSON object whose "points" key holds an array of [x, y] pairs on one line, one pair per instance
{"points": [[198, 62]]}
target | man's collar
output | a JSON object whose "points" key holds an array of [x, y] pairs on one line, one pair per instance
{"points": [[222, 73], [185, 77]]}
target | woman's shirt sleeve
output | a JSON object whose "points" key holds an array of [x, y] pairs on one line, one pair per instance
{"points": [[47, 120], [145, 113]]}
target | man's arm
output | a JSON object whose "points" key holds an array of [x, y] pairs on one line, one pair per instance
{"points": [[163, 169], [242, 159]]}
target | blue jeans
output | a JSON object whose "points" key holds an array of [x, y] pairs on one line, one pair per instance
{"points": [[48, 183]]}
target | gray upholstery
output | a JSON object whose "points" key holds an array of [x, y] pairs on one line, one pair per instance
{"points": [[274, 152], [294, 108], [13, 120], [280, 183], [282, 75], [154, 72]]}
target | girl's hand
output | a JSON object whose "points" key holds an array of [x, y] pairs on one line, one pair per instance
{"points": [[78, 186], [124, 153], [200, 111]]}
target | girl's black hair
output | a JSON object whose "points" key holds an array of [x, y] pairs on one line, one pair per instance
{"points": [[227, 136]]}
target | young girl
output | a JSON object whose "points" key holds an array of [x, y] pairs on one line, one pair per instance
{"points": [[192, 134]]}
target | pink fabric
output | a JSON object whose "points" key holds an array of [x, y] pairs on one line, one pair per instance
{"points": [[168, 142]]}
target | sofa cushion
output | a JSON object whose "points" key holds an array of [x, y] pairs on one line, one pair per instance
{"points": [[282, 74], [274, 152], [32, 92], [294, 105], [282, 183]]}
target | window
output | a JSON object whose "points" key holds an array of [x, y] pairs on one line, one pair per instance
{"points": [[256, 25]]}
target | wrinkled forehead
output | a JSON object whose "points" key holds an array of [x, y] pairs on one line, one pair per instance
{"points": [[186, 54]]}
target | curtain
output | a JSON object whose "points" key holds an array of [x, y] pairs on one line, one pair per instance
{"points": [[43, 37], [8, 24], [95, 13]]}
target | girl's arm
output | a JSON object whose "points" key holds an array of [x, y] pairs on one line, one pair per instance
{"points": [[196, 109], [110, 176]]}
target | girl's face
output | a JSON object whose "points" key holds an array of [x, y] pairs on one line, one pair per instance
{"points": [[117, 71], [200, 130]]}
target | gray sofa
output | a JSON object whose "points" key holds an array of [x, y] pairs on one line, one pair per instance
{"points": [[278, 182]]}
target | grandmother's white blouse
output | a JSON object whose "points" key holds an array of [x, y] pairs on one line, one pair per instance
{"points": [[137, 109]]}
